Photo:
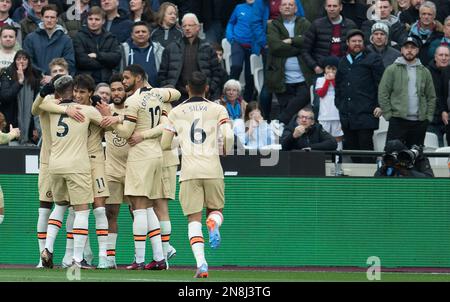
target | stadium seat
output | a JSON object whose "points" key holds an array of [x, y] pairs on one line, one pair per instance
{"points": [[431, 142], [379, 140], [257, 71], [227, 54], [440, 161], [445, 140], [255, 62]]}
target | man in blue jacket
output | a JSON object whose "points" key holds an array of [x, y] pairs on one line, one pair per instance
{"points": [[49, 41]]}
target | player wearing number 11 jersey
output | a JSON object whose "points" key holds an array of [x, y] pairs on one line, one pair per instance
{"points": [[200, 124]]}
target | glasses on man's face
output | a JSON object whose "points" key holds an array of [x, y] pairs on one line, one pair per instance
{"points": [[305, 117]]}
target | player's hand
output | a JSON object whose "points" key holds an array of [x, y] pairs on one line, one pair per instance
{"points": [[135, 139], [109, 121], [15, 131], [46, 79], [47, 89], [75, 113], [103, 108]]}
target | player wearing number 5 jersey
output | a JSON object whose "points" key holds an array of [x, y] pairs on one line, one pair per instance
{"points": [[69, 164], [202, 127]]}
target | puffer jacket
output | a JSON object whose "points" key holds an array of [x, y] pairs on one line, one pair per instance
{"points": [[172, 65], [318, 40], [108, 53]]}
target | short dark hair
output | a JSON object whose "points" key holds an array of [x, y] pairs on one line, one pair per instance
{"points": [[197, 82], [116, 77], [339, 2], [8, 27], [52, 7], [140, 23], [84, 81], [136, 70]]}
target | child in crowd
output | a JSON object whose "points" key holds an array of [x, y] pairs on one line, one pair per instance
{"points": [[325, 89]]}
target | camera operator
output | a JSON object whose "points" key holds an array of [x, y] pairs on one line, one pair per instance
{"points": [[399, 161]]}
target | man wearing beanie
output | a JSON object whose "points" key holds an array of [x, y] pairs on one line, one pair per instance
{"points": [[380, 44], [357, 79], [397, 31]]}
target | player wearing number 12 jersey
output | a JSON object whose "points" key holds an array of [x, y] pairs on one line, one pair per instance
{"points": [[200, 124]]}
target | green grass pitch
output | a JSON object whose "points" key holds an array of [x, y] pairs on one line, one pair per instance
{"points": [[220, 275]]}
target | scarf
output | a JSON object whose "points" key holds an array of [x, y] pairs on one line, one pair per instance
{"points": [[233, 111], [421, 32], [25, 101]]}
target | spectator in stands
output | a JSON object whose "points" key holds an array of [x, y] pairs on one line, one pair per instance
{"points": [[219, 52], [97, 52], [232, 100], [402, 5], [117, 21], [445, 40], [8, 45], [104, 91], [167, 29], [411, 15], [380, 44], [5, 6], [143, 51], [355, 11], [31, 21], [140, 10], [73, 19], [399, 161], [49, 41], [20, 85], [180, 59], [239, 35], [426, 30], [397, 32], [325, 89], [357, 80], [263, 12], [287, 75], [440, 72], [253, 131], [407, 96], [443, 9], [326, 36], [302, 133]]}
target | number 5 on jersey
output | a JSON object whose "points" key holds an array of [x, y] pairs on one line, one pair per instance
{"points": [[64, 126]]}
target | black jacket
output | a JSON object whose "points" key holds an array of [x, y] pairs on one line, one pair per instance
{"points": [[121, 26], [172, 65], [424, 55], [422, 168], [409, 16], [173, 34], [315, 138], [105, 46], [441, 78], [8, 96], [318, 40], [357, 91]]}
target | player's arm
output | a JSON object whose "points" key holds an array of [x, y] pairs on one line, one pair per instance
{"points": [[49, 105], [7, 137], [226, 131], [35, 110], [166, 95]]}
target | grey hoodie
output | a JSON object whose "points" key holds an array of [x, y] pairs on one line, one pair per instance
{"points": [[413, 98]]}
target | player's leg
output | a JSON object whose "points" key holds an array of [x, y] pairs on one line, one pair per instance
{"points": [[191, 200], [68, 256], [112, 205], [80, 192], [45, 207], [101, 192], [154, 234], [140, 227], [54, 224], [215, 201]]}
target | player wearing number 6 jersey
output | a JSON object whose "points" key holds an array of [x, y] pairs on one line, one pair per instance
{"points": [[200, 124]]}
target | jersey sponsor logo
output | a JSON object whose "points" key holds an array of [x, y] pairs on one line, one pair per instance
{"points": [[49, 194], [118, 141]]}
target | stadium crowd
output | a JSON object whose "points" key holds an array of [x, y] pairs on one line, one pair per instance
{"points": [[335, 67]]}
